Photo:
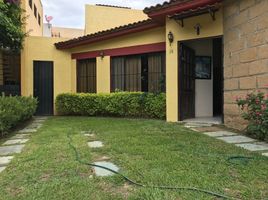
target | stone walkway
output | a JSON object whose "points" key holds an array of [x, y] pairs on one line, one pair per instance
{"points": [[103, 161], [16, 143], [230, 137]]}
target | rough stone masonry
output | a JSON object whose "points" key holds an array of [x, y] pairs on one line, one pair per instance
{"points": [[245, 53]]}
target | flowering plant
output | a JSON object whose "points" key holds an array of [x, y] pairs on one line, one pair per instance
{"points": [[255, 110]]}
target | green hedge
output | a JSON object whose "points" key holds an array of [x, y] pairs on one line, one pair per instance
{"points": [[14, 110], [120, 104]]}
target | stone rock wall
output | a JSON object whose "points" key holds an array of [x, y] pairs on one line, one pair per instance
{"points": [[245, 53]]}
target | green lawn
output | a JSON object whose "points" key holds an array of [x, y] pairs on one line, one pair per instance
{"points": [[149, 151]]}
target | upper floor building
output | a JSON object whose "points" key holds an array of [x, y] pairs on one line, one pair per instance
{"points": [[34, 17]]}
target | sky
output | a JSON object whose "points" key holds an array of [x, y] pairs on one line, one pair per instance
{"points": [[70, 13]]}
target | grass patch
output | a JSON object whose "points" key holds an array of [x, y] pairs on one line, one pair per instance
{"points": [[149, 151]]}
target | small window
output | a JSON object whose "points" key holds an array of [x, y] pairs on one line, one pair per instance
{"points": [[145, 72], [31, 4], [35, 11], [39, 19], [86, 76]]}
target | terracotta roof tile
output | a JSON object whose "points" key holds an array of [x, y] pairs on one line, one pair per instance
{"points": [[112, 6], [73, 42], [165, 4]]}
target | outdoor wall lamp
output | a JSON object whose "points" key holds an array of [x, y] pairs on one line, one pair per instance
{"points": [[197, 27], [102, 54], [170, 37]]}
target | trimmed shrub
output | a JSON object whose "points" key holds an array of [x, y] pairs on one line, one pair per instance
{"points": [[255, 110], [119, 104], [14, 110]]}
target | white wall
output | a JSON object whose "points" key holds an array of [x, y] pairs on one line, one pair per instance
{"points": [[204, 88], [47, 30]]}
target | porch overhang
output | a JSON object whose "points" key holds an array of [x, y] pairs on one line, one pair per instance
{"points": [[209, 9], [179, 7], [109, 34], [124, 51]]}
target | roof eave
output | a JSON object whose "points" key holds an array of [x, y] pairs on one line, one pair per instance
{"points": [[172, 9], [106, 36]]}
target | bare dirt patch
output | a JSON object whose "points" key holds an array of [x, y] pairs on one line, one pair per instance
{"points": [[15, 191], [210, 129], [45, 177], [123, 190]]}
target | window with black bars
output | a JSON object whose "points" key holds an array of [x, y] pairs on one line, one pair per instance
{"points": [[86, 76], [144, 73], [39, 19], [31, 4], [35, 11]]}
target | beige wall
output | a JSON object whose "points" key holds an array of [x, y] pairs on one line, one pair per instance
{"points": [[43, 49], [98, 18], [67, 32], [209, 28], [245, 53], [32, 26], [1, 69]]}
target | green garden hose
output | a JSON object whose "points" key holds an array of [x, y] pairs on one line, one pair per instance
{"points": [[78, 159]]}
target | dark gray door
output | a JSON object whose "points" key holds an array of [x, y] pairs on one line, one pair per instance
{"points": [[217, 77], [186, 82], [43, 87]]}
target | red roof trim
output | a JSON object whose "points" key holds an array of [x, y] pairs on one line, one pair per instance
{"points": [[180, 7], [109, 34], [139, 49]]}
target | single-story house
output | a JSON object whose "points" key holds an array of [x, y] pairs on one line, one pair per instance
{"points": [[201, 53]]}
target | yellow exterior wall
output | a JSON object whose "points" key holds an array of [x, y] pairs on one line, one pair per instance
{"points": [[68, 32], [209, 28], [98, 18], [38, 48], [146, 37], [103, 64], [32, 27], [43, 49], [73, 76], [103, 74]]}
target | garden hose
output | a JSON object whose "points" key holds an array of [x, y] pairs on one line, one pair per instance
{"points": [[78, 159]]}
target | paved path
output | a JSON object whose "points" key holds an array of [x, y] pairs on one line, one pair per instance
{"points": [[16, 143], [103, 161], [231, 138]]}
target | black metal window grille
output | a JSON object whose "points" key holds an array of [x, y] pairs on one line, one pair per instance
{"points": [[86, 76], [35, 11], [9, 73], [144, 73], [31, 4], [39, 19]]}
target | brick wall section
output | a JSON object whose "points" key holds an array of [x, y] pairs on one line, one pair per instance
{"points": [[1, 69], [245, 53]]}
